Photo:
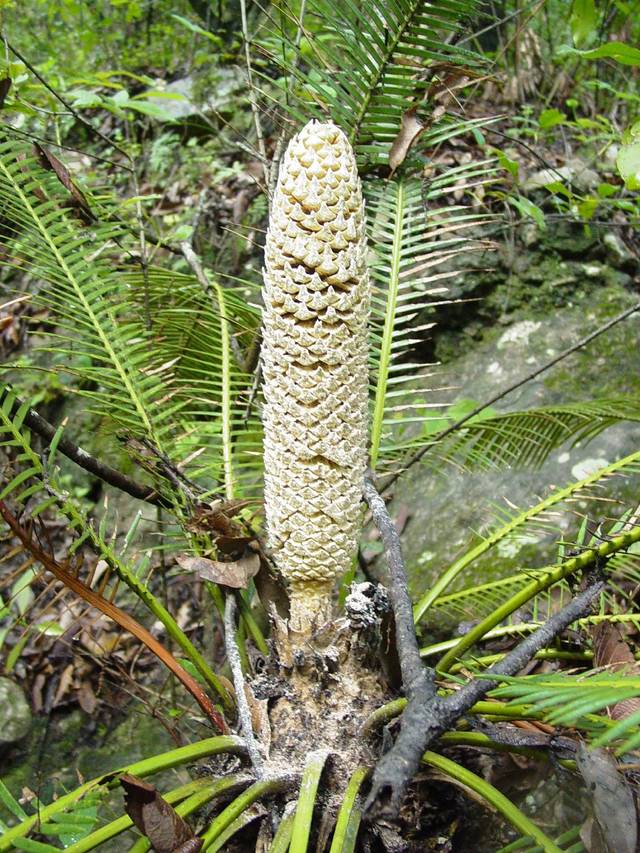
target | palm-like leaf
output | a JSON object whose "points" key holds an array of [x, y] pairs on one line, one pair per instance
{"points": [[97, 336], [378, 61], [538, 582], [519, 439], [573, 700], [514, 523], [203, 334], [411, 261], [169, 378]]}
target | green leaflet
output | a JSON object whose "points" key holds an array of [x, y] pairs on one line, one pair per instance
{"points": [[367, 64], [517, 521], [411, 237]]}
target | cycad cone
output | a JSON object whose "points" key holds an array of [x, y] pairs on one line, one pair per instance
{"points": [[316, 305]]}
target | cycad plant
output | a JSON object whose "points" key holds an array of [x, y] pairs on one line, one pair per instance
{"points": [[317, 669]]}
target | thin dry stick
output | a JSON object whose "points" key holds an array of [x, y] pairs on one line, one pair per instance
{"points": [[244, 712], [252, 94], [455, 426]]}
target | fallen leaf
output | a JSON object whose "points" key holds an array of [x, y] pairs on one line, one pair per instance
{"points": [[155, 818], [87, 698], [50, 162], [232, 544], [613, 803], [410, 129], [235, 574], [63, 685], [610, 649]]}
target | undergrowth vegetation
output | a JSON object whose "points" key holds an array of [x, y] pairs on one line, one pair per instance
{"points": [[137, 168]]}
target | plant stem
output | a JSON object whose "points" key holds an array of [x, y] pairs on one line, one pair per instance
{"points": [[547, 579], [306, 801], [146, 767], [492, 796], [234, 809]]}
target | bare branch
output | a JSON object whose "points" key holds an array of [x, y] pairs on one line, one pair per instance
{"points": [[421, 726], [85, 460], [416, 679], [244, 712]]}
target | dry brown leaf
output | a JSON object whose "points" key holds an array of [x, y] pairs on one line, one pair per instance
{"points": [[50, 162], [63, 685], [612, 800], [5, 85], [610, 649], [410, 129], [87, 698], [155, 818], [236, 574]]}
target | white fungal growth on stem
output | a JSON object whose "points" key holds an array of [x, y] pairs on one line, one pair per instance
{"points": [[314, 357]]}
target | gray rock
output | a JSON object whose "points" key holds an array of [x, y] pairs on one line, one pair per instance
{"points": [[575, 172], [16, 714], [180, 100]]}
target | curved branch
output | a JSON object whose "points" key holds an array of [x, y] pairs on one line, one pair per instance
{"points": [[85, 460]]}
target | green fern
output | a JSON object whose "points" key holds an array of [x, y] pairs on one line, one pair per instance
{"points": [[538, 582], [203, 335], [152, 352]]}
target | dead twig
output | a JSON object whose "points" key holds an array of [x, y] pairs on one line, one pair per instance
{"points": [[244, 712], [425, 724], [417, 680]]}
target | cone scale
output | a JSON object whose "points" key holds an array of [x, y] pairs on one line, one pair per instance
{"points": [[314, 359]]}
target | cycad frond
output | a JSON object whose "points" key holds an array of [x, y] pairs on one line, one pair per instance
{"points": [[574, 700], [381, 59], [203, 335], [98, 336], [539, 582], [520, 439], [151, 351], [515, 523], [516, 629], [412, 256]]}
